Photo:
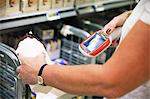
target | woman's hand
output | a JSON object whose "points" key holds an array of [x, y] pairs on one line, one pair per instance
{"points": [[116, 22], [109, 27], [28, 71]]}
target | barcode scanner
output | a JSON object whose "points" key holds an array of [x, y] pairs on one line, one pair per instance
{"points": [[98, 42], [95, 44]]}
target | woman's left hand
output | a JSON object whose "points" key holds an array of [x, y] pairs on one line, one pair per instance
{"points": [[28, 71]]}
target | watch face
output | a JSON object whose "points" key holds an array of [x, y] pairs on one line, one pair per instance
{"points": [[40, 80]]}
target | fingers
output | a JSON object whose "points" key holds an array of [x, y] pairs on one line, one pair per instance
{"points": [[21, 58], [109, 28], [19, 77], [23, 80], [29, 65], [18, 69], [108, 31]]}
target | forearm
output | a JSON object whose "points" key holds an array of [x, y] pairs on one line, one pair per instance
{"points": [[116, 77], [87, 80]]}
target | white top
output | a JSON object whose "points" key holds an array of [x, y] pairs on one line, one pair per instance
{"points": [[140, 12]]}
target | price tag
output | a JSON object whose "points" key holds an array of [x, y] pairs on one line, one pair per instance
{"points": [[52, 15], [100, 8], [86, 10], [67, 13]]}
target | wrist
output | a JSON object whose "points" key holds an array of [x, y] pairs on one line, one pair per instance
{"points": [[40, 77], [128, 13]]}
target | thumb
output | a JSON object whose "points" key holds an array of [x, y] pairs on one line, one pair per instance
{"points": [[107, 31], [21, 58]]}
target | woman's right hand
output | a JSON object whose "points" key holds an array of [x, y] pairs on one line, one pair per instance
{"points": [[109, 27], [116, 22]]}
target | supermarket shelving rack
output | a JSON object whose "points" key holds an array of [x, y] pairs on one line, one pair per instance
{"points": [[55, 14]]}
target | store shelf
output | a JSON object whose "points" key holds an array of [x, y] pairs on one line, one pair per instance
{"points": [[22, 19], [113, 4], [60, 13], [103, 5], [36, 17], [51, 15]]}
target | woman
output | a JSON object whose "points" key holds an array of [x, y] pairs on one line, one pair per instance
{"points": [[125, 71]]}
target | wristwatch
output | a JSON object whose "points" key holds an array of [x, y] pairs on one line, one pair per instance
{"points": [[40, 78]]}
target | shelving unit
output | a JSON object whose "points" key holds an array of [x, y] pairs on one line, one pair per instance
{"points": [[103, 5], [55, 14], [69, 49], [21, 20]]}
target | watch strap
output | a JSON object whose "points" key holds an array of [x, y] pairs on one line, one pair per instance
{"points": [[40, 75], [41, 69]]}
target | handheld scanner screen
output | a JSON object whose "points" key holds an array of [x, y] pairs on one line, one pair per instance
{"points": [[94, 42]]}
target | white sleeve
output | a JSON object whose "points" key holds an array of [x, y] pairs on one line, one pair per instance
{"points": [[146, 13]]}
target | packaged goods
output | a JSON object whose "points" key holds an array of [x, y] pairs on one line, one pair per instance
{"points": [[44, 5], [29, 5], [79, 2], [57, 4], [9, 7], [69, 3]]}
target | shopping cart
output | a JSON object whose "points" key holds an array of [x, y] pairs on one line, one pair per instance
{"points": [[10, 86], [70, 46]]}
